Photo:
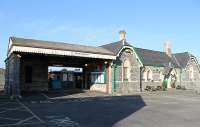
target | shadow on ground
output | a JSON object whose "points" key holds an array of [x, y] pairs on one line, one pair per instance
{"points": [[101, 111], [62, 93]]}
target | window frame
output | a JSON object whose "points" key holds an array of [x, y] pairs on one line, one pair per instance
{"points": [[126, 66], [149, 75], [98, 77], [99, 74], [191, 73], [125, 74]]}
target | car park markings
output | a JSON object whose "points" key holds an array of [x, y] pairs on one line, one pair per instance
{"points": [[10, 119], [7, 119], [47, 97], [41, 121], [10, 109], [61, 121], [25, 120]]}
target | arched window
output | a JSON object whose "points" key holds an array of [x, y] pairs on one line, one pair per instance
{"points": [[144, 75], [149, 75], [126, 71], [191, 73]]}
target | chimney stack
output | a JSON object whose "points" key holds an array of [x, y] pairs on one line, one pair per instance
{"points": [[122, 35], [167, 48]]}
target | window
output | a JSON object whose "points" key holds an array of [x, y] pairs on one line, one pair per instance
{"points": [[144, 75], [125, 73], [70, 76], [126, 70], [67, 76], [149, 75], [98, 77], [191, 71], [28, 74]]}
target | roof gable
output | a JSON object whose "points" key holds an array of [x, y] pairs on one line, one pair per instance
{"points": [[115, 47], [182, 59], [154, 58]]}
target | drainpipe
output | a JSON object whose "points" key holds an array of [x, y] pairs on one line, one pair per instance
{"points": [[141, 69]]}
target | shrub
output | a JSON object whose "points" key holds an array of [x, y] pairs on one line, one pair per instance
{"points": [[159, 88], [150, 88], [178, 87]]}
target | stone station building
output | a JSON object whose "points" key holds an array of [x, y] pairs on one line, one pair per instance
{"points": [[112, 68]]}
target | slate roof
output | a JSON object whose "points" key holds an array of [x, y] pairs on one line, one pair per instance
{"points": [[148, 57], [115, 47], [182, 58], [58, 46], [155, 58], [167, 71]]}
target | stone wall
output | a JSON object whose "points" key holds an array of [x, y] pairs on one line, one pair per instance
{"points": [[99, 87], [39, 74], [12, 73], [186, 81], [148, 83], [2, 79], [127, 87], [133, 84], [156, 78]]}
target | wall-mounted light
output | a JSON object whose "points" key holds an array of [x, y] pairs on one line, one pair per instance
{"points": [[19, 56], [86, 65], [105, 62]]}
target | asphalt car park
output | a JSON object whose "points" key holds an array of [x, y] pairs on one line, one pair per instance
{"points": [[177, 109]]}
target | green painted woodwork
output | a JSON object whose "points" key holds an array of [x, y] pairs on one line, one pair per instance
{"points": [[165, 83], [113, 78], [105, 73]]}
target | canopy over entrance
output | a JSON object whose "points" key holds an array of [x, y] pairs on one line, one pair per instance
{"points": [[57, 48], [28, 60]]}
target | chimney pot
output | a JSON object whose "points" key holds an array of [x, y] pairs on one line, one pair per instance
{"points": [[167, 48], [122, 35]]}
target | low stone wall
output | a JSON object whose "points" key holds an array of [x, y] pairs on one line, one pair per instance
{"points": [[99, 87], [127, 87], [191, 85], [155, 84]]}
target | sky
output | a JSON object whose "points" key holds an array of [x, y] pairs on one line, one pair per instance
{"points": [[148, 23]]}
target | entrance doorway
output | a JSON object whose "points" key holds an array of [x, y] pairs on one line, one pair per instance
{"points": [[65, 78]]}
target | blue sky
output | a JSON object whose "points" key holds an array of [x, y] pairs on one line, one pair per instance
{"points": [[148, 23]]}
